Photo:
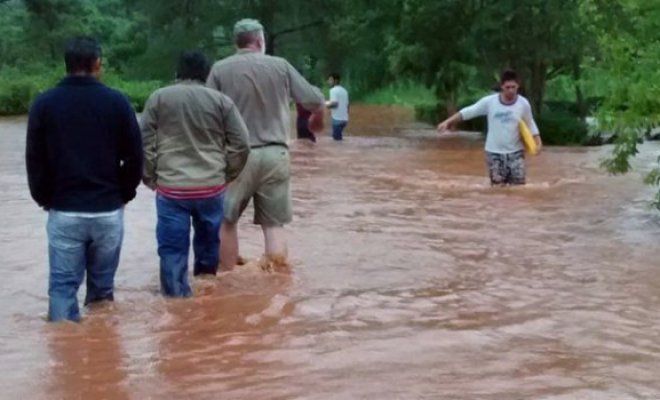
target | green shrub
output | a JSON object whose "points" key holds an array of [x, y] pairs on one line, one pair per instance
{"points": [[562, 128], [427, 113], [18, 88], [137, 91], [560, 106], [15, 97]]}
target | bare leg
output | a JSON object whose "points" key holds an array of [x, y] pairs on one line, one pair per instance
{"points": [[276, 243], [228, 245]]}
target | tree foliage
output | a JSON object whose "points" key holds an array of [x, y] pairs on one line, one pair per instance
{"points": [[629, 38], [602, 49]]}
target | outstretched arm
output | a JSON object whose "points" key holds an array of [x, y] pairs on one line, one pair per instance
{"points": [[475, 110], [449, 123], [308, 96]]}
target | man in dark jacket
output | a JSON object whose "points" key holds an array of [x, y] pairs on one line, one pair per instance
{"points": [[84, 162]]}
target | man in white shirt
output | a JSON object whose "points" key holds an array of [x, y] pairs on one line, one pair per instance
{"points": [[338, 105], [504, 148]]}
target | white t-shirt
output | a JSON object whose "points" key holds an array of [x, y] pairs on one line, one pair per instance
{"points": [[503, 135], [340, 95]]}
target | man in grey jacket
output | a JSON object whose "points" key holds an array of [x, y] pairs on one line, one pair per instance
{"points": [[195, 141], [262, 87]]}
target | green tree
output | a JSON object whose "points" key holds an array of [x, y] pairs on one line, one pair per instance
{"points": [[13, 38], [354, 42], [52, 22], [435, 44], [539, 38], [630, 62]]}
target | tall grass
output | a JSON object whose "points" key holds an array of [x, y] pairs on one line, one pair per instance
{"points": [[401, 93]]}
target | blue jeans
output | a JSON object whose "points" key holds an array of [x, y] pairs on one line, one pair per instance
{"points": [[173, 234], [338, 129], [79, 244]]}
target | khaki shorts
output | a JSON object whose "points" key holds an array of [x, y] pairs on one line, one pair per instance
{"points": [[266, 179]]}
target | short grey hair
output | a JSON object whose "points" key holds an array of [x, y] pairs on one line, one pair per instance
{"points": [[247, 25], [247, 31]]}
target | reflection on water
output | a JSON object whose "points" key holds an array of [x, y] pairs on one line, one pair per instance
{"points": [[86, 360], [411, 279]]}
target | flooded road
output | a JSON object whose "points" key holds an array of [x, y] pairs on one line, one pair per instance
{"points": [[411, 279]]}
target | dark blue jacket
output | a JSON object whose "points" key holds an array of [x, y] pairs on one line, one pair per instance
{"points": [[84, 148]]}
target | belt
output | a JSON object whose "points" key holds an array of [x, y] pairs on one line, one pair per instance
{"points": [[259, 146]]}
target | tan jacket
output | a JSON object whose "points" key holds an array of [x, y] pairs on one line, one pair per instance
{"points": [[262, 87], [192, 136]]}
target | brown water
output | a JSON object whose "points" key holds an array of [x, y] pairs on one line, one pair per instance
{"points": [[412, 279]]}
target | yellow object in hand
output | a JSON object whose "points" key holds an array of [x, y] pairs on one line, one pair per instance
{"points": [[528, 139]]}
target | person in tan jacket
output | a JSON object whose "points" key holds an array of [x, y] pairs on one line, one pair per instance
{"points": [[195, 141], [262, 87]]}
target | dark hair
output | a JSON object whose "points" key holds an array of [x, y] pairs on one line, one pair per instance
{"points": [[244, 39], [80, 54], [335, 76], [508, 75], [193, 65]]}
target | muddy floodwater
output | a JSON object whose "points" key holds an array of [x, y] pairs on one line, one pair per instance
{"points": [[411, 279]]}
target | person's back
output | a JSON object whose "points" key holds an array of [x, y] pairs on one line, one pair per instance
{"points": [[192, 123], [262, 87], [84, 162], [83, 128], [194, 142]]}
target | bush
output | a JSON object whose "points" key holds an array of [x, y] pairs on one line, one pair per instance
{"points": [[19, 88], [427, 113], [560, 106], [590, 103], [562, 128], [137, 91], [15, 97]]}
